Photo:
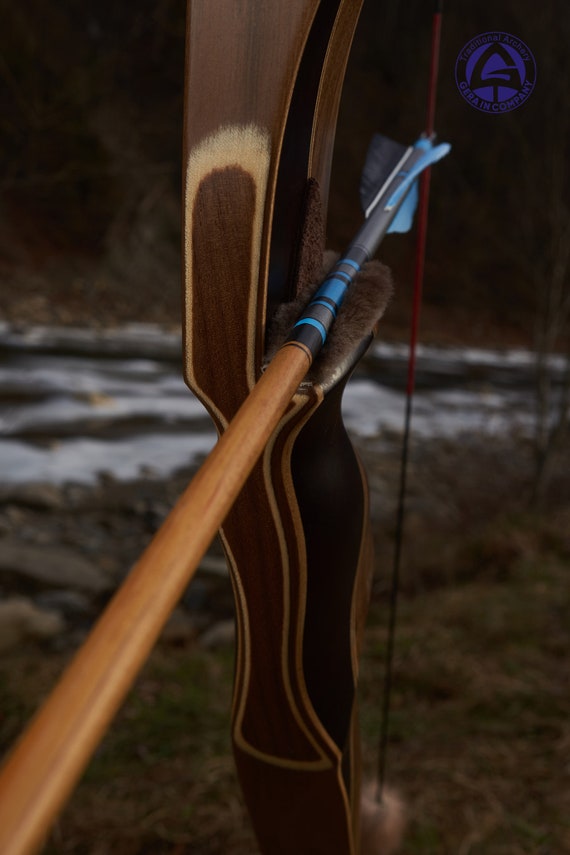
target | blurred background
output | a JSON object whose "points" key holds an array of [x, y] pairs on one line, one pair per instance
{"points": [[98, 436], [91, 152], [91, 149]]}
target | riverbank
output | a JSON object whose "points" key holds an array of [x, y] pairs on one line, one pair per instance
{"points": [[78, 403], [480, 710], [479, 730]]}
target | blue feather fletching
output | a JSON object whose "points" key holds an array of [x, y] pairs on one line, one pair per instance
{"points": [[381, 161], [404, 219]]}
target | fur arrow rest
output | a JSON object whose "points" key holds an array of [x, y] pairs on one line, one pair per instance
{"points": [[365, 303]]}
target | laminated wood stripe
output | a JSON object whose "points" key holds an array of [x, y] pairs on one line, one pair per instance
{"points": [[226, 184]]}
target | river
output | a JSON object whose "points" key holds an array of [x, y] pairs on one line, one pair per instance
{"points": [[76, 403]]}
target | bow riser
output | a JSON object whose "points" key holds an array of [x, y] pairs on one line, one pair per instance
{"points": [[300, 571], [262, 97]]}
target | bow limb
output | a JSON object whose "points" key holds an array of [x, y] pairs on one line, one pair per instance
{"points": [[263, 87]]}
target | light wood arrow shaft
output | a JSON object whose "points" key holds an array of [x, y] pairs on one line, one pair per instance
{"points": [[52, 754]]}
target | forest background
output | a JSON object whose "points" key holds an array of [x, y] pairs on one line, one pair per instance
{"points": [[90, 142]]}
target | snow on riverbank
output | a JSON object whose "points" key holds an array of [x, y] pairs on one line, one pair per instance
{"points": [[75, 403]]}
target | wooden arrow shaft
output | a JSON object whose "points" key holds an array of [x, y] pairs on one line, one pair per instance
{"points": [[52, 754]]}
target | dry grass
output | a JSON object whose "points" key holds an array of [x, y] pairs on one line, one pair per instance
{"points": [[480, 728]]}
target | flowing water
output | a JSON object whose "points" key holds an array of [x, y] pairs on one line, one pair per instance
{"points": [[76, 404]]}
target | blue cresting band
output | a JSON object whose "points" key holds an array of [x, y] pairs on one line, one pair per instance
{"points": [[313, 323], [350, 263], [333, 289], [346, 276], [332, 308]]}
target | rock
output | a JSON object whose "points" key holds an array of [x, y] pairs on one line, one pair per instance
{"points": [[15, 516], [180, 629], [197, 596], [71, 604], [214, 564], [20, 620], [221, 634], [38, 496], [55, 566]]}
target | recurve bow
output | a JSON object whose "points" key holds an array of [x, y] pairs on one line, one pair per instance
{"points": [[262, 92]]}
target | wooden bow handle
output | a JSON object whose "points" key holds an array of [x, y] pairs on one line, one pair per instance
{"points": [[263, 88]]}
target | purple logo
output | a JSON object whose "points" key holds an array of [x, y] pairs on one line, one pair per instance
{"points": [[495, 72]]}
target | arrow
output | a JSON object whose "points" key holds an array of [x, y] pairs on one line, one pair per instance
{"points": [[393, 201]]}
